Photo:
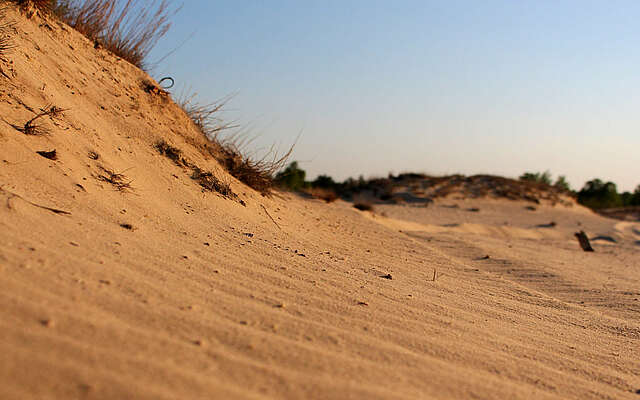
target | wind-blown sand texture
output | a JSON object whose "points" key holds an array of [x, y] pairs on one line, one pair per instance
{"points": [[159, 290]]}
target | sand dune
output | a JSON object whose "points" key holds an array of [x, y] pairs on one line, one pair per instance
{"points": [[158, 290]]}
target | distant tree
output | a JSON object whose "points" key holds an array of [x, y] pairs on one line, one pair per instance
{"points": [[635, 198], [324, 181], [596, 194], [561, 183], [292, 177], [540, 177], [626, 198]]}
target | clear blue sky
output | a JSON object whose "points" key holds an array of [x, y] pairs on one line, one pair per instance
{"points": [[468, 87]]}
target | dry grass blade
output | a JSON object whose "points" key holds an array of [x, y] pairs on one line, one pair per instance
{"points": [[117, 180]]}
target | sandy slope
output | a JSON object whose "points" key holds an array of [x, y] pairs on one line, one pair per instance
{"points": [[207, 299]]}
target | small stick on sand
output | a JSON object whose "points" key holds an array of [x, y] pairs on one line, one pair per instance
{"points": [[53, 210], [274, 221], [584, 241], [435, 274]]}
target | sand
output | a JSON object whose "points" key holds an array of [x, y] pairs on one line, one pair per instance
{"points": [[163, 291]]}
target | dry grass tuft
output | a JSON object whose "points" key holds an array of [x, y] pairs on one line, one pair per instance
{"points": [[207, 180], [211, 183], [117, 180], [231, 151], [256, 173], [41, 4], [6, 42], [127, 28], [33, 126], [171, 152]]}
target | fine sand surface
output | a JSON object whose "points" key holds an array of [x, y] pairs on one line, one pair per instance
{"points": [[163, 291]]}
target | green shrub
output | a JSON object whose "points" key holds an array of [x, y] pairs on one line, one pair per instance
{"points": [[292, 177], [597, 194], [561, 183], [540, 177], [631, 199], [635, 199], [324, 182]]}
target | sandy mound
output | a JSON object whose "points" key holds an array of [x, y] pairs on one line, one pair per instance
{"points": [[122, 277]]}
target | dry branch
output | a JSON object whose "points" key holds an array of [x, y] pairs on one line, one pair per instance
{"points": [[33, 127]]}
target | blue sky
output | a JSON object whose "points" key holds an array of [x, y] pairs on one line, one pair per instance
{"points": [[499, 87]]}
